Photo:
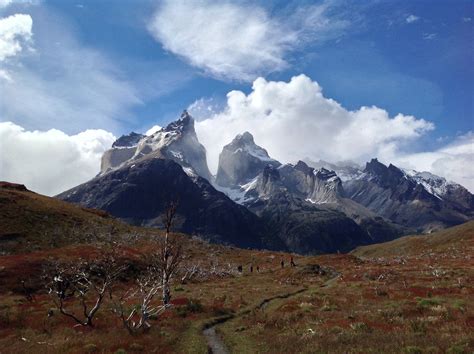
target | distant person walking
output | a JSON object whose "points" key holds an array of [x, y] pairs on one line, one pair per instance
{"points": [[282, 263], [292, 262]]}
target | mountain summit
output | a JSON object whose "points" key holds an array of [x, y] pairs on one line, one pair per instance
{"points": [[177, 141], [241, 160]]}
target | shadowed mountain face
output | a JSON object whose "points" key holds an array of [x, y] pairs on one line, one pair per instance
{"points": [[303, 204], [305, 228], [393, 194], [140, 193]]}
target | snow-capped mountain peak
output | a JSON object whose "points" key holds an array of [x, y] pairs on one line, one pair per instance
{"points": [[241, 160], [435, 185], [177, 141], [245, 143]]}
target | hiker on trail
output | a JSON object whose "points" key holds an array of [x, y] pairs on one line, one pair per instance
{"points": [[292, 262], [258, 269], [282, 264], [251, 269]]}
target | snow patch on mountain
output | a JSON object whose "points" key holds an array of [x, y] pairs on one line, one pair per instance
{"points": [[435, 185], [239, 194], [153, 130], [255, 151]]}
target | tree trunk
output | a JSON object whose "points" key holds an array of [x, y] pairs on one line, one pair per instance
{"points": [[165, 275]]}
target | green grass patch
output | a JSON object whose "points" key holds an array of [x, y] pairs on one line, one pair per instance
{"points": [[428, 302]]}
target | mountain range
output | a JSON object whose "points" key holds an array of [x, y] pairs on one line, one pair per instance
{"points": [[256, 201]]}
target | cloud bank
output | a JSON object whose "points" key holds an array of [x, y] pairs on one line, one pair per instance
{"points": [[50, 162], [238, 41], [293, 120], [453, 161]]}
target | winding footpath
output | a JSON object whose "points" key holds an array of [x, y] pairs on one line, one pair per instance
{"points": [[215, 343]]}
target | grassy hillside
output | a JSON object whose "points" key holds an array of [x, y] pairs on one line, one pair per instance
{"points": [[30, 221], [446, 241], [420, 302]]}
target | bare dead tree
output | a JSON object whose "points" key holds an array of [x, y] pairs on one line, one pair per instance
{"points": [[189, 272], [83, 283], [170, 253], [135, 316]]}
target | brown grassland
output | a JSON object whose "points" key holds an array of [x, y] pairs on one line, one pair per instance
{"points": [[412, 295]]}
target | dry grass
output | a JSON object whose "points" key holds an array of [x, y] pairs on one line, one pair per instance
{"points": [[420, 301]]}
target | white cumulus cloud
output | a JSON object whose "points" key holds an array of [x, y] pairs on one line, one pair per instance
{"points": [[15, 31], [50, 162], [293, 120], [238, 41]]}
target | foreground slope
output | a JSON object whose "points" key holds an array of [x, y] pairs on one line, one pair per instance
{"points": [[31, 221], [459, 237], [413, 303]]}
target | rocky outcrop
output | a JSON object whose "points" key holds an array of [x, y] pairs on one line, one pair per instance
{"points": [[305, 228], [241, 160], [129, 140], [177, 142], [318, 187], [392, 194], [123, 149]]}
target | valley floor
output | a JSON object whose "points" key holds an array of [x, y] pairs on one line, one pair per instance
{"points": [[420, 303]]}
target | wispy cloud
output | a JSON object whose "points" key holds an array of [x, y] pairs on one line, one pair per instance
{"points": [[411, 18], [238, 41], [6, 3], [205, 107], [429, 36], [62, 84]]}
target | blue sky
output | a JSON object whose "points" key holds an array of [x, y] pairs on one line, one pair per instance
{"points": [[382, 60], [128, 65]]}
